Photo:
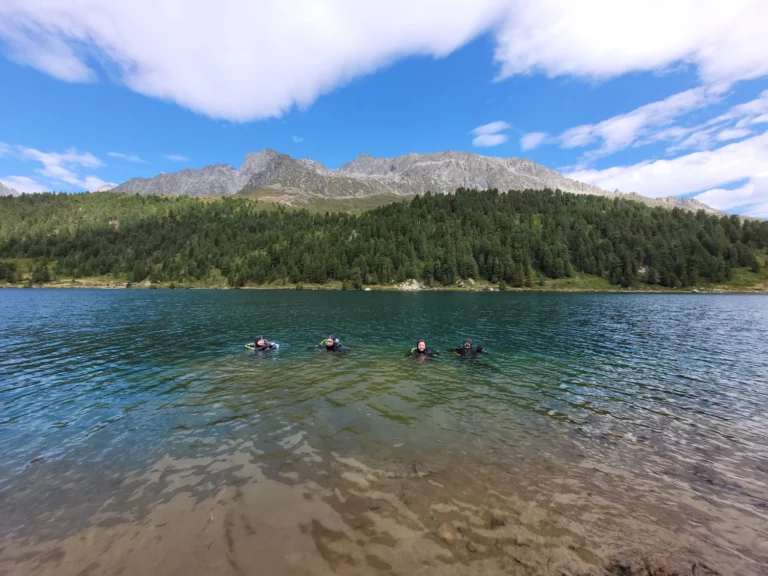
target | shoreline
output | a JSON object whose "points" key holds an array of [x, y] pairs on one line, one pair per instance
{"points": [[336, 287]]}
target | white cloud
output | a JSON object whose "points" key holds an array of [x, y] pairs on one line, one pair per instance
{"points": [[488, 140], [23, 184], [29, 44], [697, 140], [640, 126], [92, 183], [488, 134], [126, 157], [177, 158], [748, 109], [241, 60], [4, 149], [695, 172], [670, 134], [655, 122], [759, 210], [733, 134], [491, 128], [577, 137], [752, 196], [763, 119], [63, 168], [728, 126], [533, 140], [235, 59], [297, 139], [604, 38]]}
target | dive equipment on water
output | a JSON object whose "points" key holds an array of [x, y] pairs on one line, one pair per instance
{"points": [[267, 346], [252, 348]]}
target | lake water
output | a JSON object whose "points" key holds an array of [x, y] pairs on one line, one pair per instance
{"points": [[138, 436]]}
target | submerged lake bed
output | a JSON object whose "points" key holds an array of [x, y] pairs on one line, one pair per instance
{"points": [[600, 432]]}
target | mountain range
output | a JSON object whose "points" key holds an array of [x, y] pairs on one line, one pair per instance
{"points": [[281, 178], [442, 172]]}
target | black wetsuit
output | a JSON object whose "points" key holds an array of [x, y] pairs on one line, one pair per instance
{"points": [[268, 348], [471, 352], [337, 348], [426, 353]]}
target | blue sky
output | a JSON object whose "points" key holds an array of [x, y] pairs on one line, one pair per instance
{"points": [[633, 96]]}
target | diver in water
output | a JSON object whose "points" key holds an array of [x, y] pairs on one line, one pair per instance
{"points": [[331, 344], [469, 351], [261, 344], [421, 350]]}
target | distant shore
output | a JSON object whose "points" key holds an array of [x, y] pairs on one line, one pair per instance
{"points": [[579, 284]]}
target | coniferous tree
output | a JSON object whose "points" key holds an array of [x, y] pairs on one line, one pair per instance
{"points": [[519, 237]]}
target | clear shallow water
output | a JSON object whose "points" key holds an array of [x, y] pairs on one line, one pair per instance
{"points": [[597, 426]]}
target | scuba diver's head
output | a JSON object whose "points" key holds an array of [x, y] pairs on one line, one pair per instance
{"points": [[331, 342], [421, 345], [260, 342], [467, 344]]}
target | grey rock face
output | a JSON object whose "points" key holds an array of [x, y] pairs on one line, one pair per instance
{"points": [[440, 173], [218, 179], [6, 191], [443, 172]]}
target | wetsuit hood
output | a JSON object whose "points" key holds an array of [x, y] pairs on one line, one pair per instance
{"points": [[427, 352]]}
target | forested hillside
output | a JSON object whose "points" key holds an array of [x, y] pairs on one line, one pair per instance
{"points": [[517, 237]]}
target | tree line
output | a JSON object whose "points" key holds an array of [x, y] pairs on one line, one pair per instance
{"points": [[517, 237]]}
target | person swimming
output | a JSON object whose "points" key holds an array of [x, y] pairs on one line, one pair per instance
{"points": [[331, 344], [466, 350], [421, 350], [261, 344]]}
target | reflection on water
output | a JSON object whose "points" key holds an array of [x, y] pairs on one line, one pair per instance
{"points": [[599, 429]]}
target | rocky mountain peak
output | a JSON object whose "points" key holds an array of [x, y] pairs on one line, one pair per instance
{"points": [[257, 161], [7, 190]]}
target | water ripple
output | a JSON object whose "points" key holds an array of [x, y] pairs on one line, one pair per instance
{"points": [[673, 388]]}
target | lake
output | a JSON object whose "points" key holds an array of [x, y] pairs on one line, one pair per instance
{"points": [[138, 436]]}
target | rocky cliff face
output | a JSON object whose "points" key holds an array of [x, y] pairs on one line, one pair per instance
{"points": [[6, 191], [268, 169], [215, 180], [442, 173]]}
